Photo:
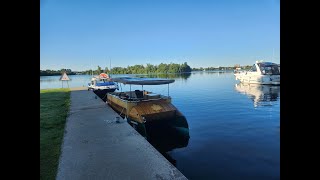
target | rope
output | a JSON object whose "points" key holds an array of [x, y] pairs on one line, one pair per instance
{"points": [[121, 111], [105, 95]]}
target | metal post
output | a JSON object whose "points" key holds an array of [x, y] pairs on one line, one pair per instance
{"points": [[130, 92], [127, 114], [168, 90]]}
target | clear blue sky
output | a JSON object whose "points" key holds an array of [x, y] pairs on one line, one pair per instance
{"points": [[80, 35]]}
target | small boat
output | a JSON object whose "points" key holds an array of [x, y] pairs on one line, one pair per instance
{"points": [[260, 73], [141, 106], [101, 85]]}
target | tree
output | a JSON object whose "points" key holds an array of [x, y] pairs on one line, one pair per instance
{"points": [[185, 67], [162, 68], [99, 70], [106, 70]]}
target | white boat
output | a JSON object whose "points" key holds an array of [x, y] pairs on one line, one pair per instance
{"points": [[260, 73], [101, 85]]}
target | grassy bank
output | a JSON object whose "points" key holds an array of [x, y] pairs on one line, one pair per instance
{"points": [[54, 107]]}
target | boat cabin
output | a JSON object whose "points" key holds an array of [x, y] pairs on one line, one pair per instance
{"points": [[266, 68]]}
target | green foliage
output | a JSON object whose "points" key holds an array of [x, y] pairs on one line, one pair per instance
{"points": [[148, 69], [99, 70], [49, 72], [106, 70], [140, 69]]}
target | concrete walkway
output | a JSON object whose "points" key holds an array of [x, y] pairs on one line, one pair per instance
{"points": [[96, 147]]}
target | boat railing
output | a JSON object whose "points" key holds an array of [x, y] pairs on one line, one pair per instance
{"points": [[130, 96]]}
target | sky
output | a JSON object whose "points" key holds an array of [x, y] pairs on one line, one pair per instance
{"points": [[80, 35]]}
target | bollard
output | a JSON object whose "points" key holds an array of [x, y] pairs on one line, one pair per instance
{"points": [[117, 119]]}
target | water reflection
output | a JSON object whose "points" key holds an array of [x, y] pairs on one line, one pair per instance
{"points": [[166, 136], [262, 95]]}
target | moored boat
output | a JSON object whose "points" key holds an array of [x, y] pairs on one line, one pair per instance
{"points": [[141, 106], [260, 73], [101, 85]]}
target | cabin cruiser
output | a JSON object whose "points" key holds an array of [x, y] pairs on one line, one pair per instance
{"points": [[260, 73], [102, 84], [142, 107]]}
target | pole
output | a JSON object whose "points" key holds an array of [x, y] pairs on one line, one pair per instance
{"points": [[110, 68], [127, 115], [168, 90]]}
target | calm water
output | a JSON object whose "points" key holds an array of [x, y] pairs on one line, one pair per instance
{"points": [[234, 128]]}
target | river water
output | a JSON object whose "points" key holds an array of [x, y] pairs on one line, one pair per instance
{"points": [[234, 128]]}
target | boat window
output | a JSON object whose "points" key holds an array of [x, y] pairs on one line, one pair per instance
{"points": [[270, 69], [253, 68]]}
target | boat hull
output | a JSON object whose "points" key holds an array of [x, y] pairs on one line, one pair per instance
{"points": [[142, 111], [166, 134], [258, 79], [265, 73], [102, 93]]}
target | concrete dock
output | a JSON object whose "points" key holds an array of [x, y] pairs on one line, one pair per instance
{"points": [[95, 146]]}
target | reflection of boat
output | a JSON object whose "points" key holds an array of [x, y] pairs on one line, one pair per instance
{"points": [[166, 136], [101, 85], [260, 73], [142, 107], [262, 95]]}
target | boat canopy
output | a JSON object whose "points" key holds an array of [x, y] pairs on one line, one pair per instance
{"points": [[143, 81], [105, 84]]}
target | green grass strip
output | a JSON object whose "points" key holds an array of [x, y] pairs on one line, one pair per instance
{"points": [[54, 107]]}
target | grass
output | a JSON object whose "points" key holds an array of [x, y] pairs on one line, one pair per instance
{"points": [[54, 107]]}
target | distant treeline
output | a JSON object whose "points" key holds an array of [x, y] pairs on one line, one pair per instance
{"points": [[58, 72], [221, 68], [212, 68], [141, 69]]}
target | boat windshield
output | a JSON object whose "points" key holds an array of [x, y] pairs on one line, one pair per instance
{"points": [[270, 69]]}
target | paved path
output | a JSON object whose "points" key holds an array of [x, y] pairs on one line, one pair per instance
{"points": [[96, 147]]}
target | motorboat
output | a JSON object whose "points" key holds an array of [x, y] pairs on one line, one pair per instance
{"points": [[142, 107], [102, 84], [260, 73]]}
